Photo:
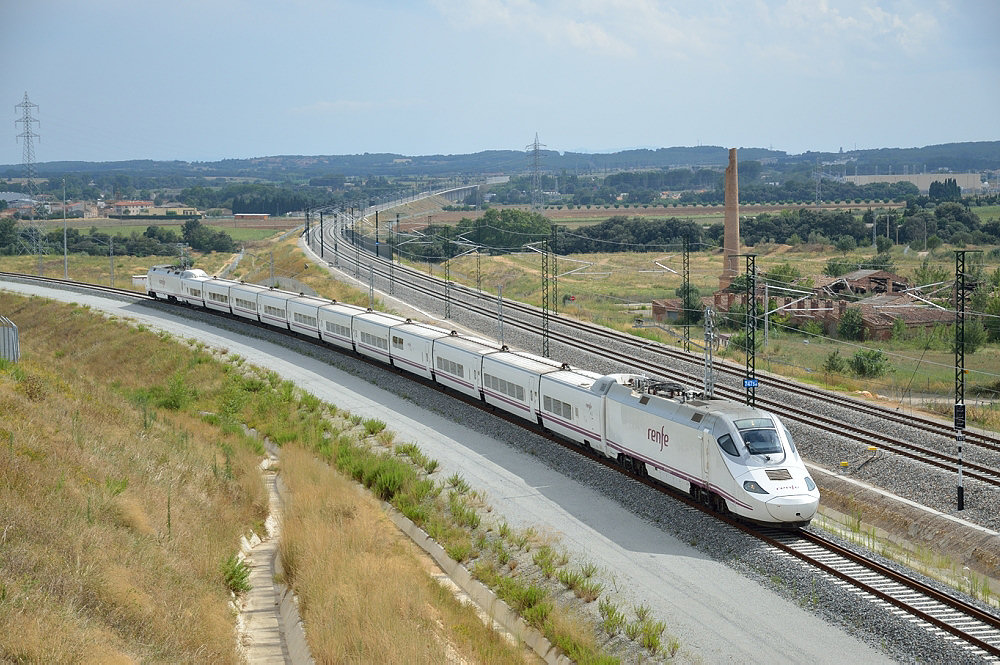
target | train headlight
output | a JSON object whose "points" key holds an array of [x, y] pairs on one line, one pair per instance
{"points": [[752, 486], [810, 484]]}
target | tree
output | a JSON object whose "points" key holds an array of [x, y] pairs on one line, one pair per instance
{"points": [[691, 303], [883, 244], [928, 274], [992, 321], [837, 267], [945, 191], [783, 274], [846, 244], [851, 324]]}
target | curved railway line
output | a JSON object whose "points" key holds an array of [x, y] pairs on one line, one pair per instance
{"points": [[653, 359], [940, 613]]}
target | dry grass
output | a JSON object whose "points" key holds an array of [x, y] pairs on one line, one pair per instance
{"points": [[88, 450], [85, 549], [363, 592]]}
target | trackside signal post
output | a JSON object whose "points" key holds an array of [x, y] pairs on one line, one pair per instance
{"points": [[961, 291], [750, 380]]}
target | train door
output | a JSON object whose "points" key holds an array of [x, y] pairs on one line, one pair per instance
{"points": [[703, 436]]}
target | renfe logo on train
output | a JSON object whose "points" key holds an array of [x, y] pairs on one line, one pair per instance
{"points": [[659, 436]]}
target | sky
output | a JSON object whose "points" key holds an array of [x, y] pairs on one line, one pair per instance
{"points": [[215, 79]]}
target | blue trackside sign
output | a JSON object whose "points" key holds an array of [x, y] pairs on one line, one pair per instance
{"points": [[749, 383]]}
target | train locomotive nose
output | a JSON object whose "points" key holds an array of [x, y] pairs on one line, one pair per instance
{"points": [[796, 508]]}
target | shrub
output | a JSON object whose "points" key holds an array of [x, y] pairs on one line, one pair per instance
{"points": [[835, 363], [851, 325], [870, 363], [812, 328], [236, 574], [975, 336]]}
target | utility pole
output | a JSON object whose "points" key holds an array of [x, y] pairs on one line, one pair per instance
{"points": [[500, 311], [321, 241], [111, 254], [750, 380], [536, 176], [767, 319], [272, 269], [961, 292], [685, 294], [447, 288], [555, 272], [709, 348], [65, 252], [545, 299], [28, 159], [377, 255], [28, 134], [479, 274], [392, 255], [371, 285]]}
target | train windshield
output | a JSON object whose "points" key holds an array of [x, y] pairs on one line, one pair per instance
{"points": [[759, 435]]}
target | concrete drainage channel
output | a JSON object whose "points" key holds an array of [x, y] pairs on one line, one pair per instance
{"points": [[269, 628]]}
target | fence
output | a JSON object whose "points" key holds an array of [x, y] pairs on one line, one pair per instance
{"points": [[10, 348]]}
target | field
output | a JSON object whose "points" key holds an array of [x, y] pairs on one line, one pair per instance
{"points": [[583, 215], [97, 269], [124, 228], [614, 289]]}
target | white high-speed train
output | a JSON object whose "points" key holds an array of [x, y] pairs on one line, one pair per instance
{"points": [[735, 458]]}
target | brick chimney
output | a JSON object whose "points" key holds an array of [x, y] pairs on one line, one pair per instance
{"points": [[731, 239]]}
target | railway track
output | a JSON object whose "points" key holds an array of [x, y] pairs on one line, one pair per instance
{"points": [[653, 359], [939, 613]]}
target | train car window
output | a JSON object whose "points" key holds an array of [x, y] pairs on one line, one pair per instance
{"points": [[727, 444], [761, 441], [791, 442], [520, 393], [397, 342], [547, 403]]}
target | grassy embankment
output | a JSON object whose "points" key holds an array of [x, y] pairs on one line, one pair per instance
{"points": [[119, 506], [130, 495]]}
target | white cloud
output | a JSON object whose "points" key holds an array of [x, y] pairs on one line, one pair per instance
{"points": [[613, 28]]}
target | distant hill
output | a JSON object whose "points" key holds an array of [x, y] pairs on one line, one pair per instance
{"points": [[975, 156]]}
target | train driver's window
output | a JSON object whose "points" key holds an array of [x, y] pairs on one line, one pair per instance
{"points": [[727, 444]]}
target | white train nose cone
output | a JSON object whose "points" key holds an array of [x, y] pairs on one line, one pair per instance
{"points": [[796, 508]]}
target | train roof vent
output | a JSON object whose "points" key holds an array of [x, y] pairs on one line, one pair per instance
{"points": [[697, 402], [697, 417], [644, 399], [779, 474]]}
